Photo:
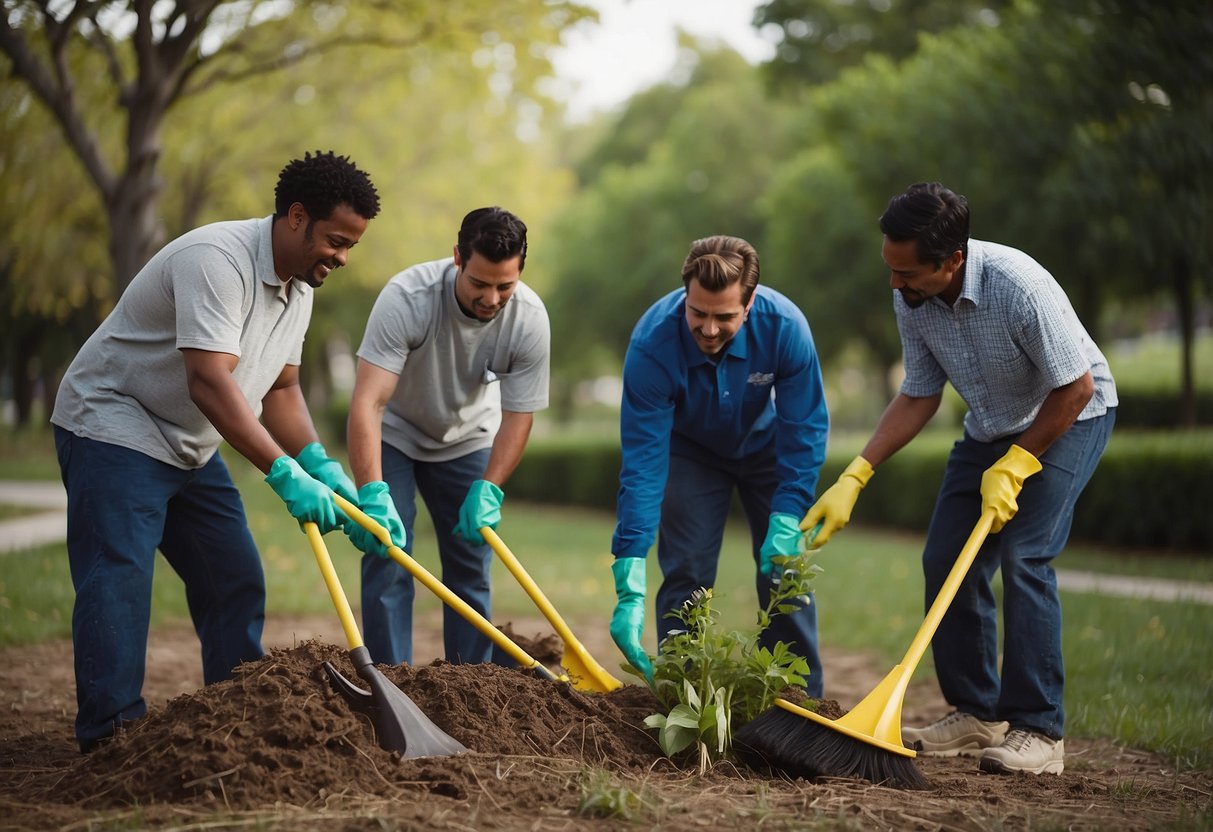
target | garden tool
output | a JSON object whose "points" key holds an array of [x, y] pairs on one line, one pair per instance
{"points": [[400, 725], [444, 593], [585, 673], [866, 741]]}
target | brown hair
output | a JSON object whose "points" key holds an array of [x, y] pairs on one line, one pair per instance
{"points": [[719, 262]]}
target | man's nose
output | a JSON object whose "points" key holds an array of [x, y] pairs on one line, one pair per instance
{"points": [[710, 327], [896, 282], [342, 255]]}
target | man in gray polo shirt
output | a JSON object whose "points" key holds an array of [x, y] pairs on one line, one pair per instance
{"points": [[452, 367], [204, 346], [993, 322]]}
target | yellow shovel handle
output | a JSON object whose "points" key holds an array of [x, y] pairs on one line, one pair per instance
{"points": [[528, 584], [440, 589], [334, 585]]}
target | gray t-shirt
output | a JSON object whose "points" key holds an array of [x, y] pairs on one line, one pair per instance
{"points": [[456, 373], [213, 289]]}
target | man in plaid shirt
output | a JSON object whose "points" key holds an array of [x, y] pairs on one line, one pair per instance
{"points": [[1042, 402]]}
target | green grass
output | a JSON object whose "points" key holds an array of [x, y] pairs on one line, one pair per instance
{"points": [[1151, 363], [1137, 671]]}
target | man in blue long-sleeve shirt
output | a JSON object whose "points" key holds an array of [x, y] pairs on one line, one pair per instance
{"points": [[722, 391]]}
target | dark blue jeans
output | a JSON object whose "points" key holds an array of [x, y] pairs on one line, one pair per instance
{"points": [[388, 590], [121, 506], [1029, 693], [696, 505]]}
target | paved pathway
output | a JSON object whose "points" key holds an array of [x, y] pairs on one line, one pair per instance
{"points": [[51, 525]]}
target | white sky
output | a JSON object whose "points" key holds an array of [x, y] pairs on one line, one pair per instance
{"points": [[633, 46]]}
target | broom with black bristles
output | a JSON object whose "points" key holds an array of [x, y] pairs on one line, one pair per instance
{"points": [[866, 741]]}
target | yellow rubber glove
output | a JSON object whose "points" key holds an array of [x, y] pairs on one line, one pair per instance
{"points": [[833, 508], [1002, 482]]}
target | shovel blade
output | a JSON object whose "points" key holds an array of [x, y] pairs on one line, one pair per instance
{"points": [[400, 725], [584, 673]]}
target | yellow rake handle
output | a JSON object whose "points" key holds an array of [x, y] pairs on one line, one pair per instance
{"points": [[442, 591], [334, 585]]}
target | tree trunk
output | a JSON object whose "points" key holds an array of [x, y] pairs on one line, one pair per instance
{"points": [[1184, 283]]}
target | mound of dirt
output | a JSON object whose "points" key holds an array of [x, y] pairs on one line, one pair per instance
{"points": [[278, 732], [277, 748]]}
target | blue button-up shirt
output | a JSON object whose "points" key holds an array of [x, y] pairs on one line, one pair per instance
{"points": [[1010, 339], [764, 387]]}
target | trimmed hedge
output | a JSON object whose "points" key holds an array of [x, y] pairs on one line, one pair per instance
{"points": [[1152, 490], [1159, 410]]}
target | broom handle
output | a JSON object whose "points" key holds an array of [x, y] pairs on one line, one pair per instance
{"points": [[918, 647]]}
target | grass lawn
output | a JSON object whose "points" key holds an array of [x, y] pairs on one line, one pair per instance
{"points": [[1137, 671]]}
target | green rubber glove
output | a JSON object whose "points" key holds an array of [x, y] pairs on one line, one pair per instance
{"points": [[306, 498], [627, 622], [316, 461], [376, 502], [481, 507], [784, 539], [833, 509], [1002, 482]]}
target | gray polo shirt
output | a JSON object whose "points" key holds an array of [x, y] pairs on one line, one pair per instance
{"points": [[213, 289], [456, 373], [1010, 339]]}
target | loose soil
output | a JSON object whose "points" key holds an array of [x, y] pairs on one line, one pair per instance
{"points": [[277, 748]]}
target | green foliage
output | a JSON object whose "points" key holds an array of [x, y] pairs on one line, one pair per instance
{"points": [[603, 797], [712, 678]]}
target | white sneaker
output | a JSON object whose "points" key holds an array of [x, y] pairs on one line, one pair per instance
{"points": [[1025, 751], [956, 734]]}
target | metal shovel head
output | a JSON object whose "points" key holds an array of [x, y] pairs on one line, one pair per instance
{"points": [[400, 725]]}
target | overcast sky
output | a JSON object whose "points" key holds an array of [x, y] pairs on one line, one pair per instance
{"points": [[633, 46]]}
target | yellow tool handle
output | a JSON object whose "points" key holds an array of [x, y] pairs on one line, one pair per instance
{"points": [[334, 585], [440, 589], [918, 647], [528, 584]]}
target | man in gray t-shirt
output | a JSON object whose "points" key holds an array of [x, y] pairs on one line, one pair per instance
{"points": [[203, 346], [452, 367]]}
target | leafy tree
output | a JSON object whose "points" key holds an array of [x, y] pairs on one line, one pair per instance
{"points": [[453, 119], [819, 38], [151, 56]]}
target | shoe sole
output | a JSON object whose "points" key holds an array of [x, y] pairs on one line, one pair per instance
{"points": [[992, 766], [971, 748]]}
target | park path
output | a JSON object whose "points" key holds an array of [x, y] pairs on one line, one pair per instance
{"points": [[50, 526]]}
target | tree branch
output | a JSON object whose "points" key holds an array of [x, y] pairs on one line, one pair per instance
{"points": [[59, 99]]}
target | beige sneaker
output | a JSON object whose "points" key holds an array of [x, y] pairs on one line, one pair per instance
{"points": [[956, 734], [1025, 751]]}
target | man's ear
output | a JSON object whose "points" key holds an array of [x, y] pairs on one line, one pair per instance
{"points": [[296, 216], [458, 259]]}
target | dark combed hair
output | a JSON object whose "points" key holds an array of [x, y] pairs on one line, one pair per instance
{"points": [[493, 233], [322, 181], [719, 262], [934, 216]]}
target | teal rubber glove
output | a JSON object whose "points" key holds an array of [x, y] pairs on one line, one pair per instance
{"points": [[627, 622], [376, 502], [784, 539], [316, 461], [481, 507], [307, 499]]}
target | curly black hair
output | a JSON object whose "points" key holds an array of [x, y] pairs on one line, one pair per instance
{"points": [[323, 181]]}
